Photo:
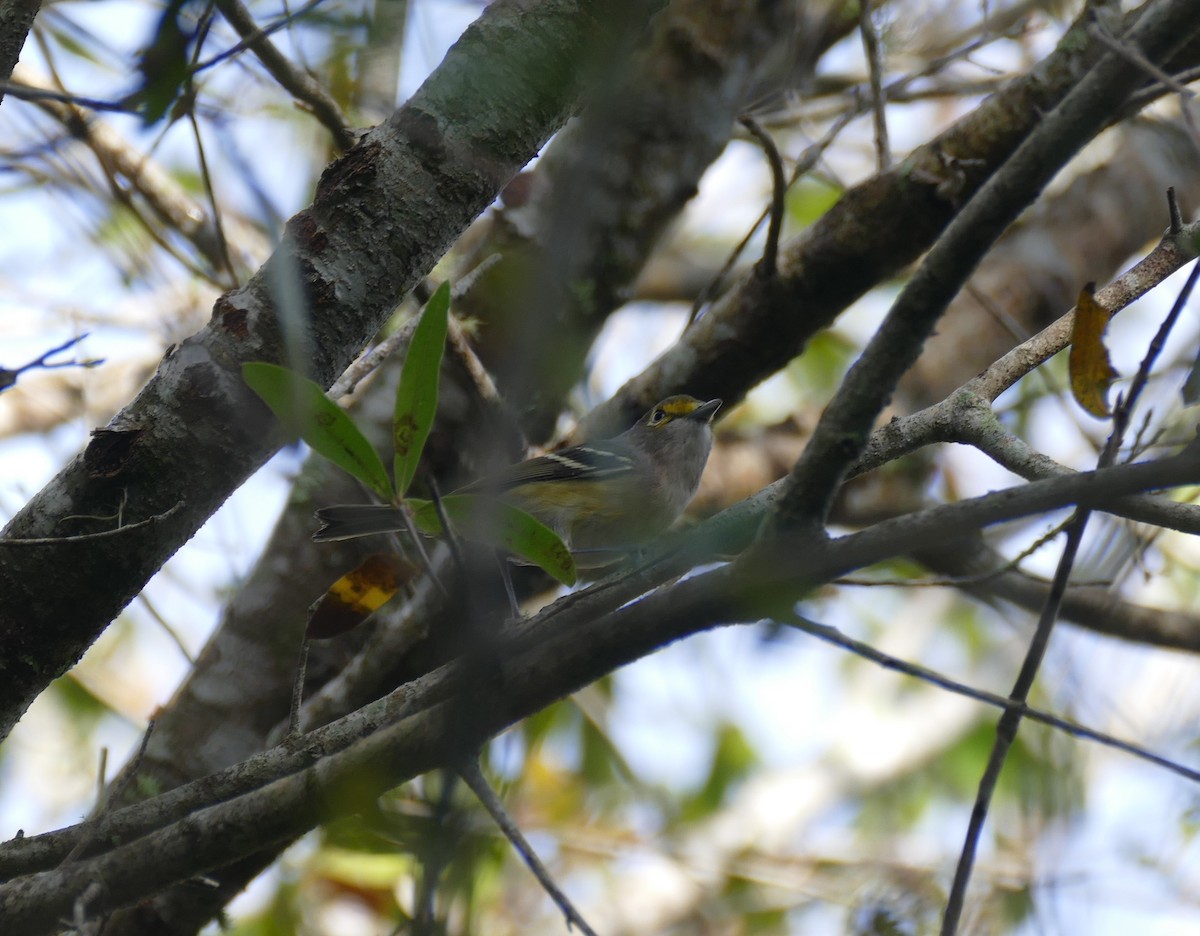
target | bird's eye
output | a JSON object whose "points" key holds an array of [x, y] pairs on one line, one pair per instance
{"points": [[657, 416]]}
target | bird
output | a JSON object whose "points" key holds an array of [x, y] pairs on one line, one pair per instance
{"points": [[599, 497]]}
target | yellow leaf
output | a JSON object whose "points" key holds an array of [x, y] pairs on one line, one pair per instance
{"points": [[1091, 370], [351, 599]]}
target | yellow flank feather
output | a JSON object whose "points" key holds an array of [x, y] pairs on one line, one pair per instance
{"points": [[563, 495]]}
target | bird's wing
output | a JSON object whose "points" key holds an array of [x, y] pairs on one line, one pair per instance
{"points": [[578, 463]]}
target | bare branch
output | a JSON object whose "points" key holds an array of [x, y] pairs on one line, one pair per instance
{"points": [[8, 376], [866, 26], [833, 636], [475, 779], [768, 264]]}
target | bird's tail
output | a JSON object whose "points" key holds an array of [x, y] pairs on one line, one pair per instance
{"points": [[347, 521]]}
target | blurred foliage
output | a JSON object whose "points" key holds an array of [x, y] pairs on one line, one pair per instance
{"points": [[809, 199], [733, 758], [819, 371]]}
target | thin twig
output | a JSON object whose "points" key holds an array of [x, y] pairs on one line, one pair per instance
{"points": [[834, 636], [364, 365], [8, 376], [25, 92], [809, 158], [435, 857], [206, 176], [458, 342], [260, 33], [866, 26], [475, 779], [359, 369], [300, 85], [957, 581], [767, 266], [1175, 250], [1174, 212], [1097, 31], [465, 283], [1139, 100], [414, 537], [222, 244], [106, 797], [124, 528], [1125, 407], [714, 285], [166, 627], [294, 728], [1010, 720], [460, 346], [448, 532]]}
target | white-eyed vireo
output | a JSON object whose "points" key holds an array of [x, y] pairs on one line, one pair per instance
{"points": [[597, 497]]}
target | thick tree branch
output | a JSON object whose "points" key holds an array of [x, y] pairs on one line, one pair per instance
{"points": [[16, 19]]}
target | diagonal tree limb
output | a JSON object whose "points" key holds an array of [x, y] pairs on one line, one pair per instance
{"points": [[1096, 223]]}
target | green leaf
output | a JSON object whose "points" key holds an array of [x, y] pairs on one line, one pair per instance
{"points": [[487, 520], [809, 199], [164, 64], [732, 760], [304, 410], [417, 395]]}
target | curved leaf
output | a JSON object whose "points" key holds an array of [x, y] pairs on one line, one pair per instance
{"points": [[356, 595], [487, 520], [304, 410], [417, 395], [1090, 368]]}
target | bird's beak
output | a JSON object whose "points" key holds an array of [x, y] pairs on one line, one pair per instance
{"points": [[705, 411]]}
